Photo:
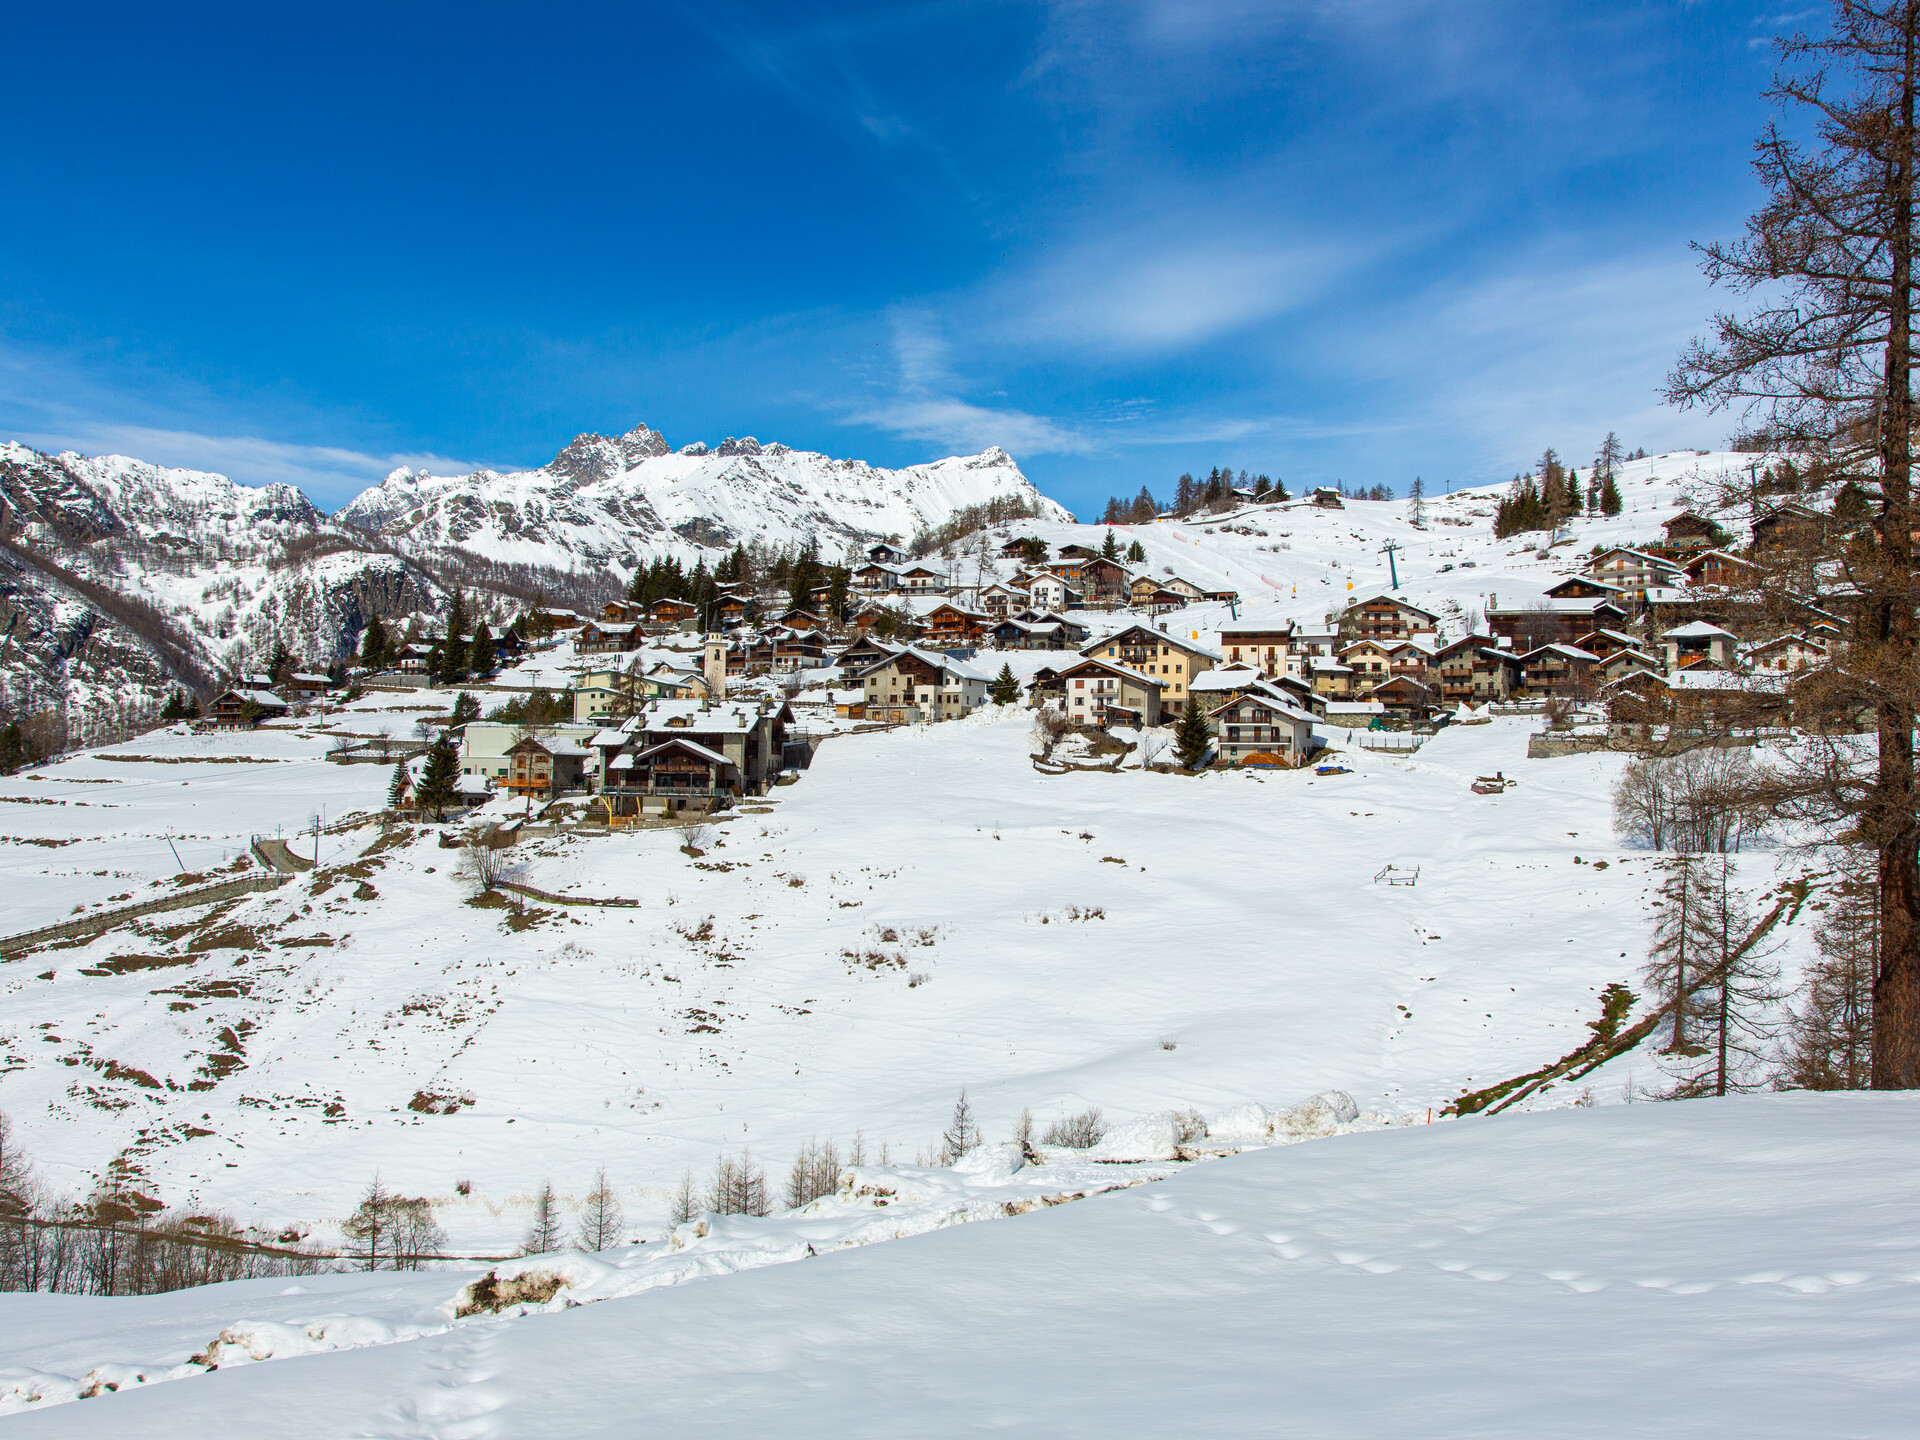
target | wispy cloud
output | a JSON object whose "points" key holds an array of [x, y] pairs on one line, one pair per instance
{"points": [[925, 403]]}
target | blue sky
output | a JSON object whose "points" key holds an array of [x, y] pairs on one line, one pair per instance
{"points": [[1360, 240]]}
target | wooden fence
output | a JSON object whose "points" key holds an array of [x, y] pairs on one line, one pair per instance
{"points": [[107, 919]]}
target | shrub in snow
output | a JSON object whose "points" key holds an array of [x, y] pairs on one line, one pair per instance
{"points": [[1076, 1132]]}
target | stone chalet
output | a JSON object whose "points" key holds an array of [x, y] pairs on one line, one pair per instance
{"points": [[1262, 726], [1098, 692]]}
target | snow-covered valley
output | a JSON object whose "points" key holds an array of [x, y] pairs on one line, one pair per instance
{"points": [[926, 913]]}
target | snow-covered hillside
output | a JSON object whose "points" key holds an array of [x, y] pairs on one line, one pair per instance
{"points": [[1709, 1268], [1298, 562], [922, 913], [614, 502]]}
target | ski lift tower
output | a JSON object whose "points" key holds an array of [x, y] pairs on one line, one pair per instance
{"points": [[1393, 570]]}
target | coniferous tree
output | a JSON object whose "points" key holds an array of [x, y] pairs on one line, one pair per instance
{"points": [[483, 659], [13, 748], [436, 664], [1005, 688], [1191, 739], [465, 708], [397, 786], [453, 653], [1185, 495], [1144, 509], [1610, 502], [1136, 553], [1110, 547], [962, 1134], [440, 778], [373, 644], [279, 662], [1262, 487]]}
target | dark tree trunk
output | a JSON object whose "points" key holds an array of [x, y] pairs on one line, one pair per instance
{"points": [[1896, 991]]}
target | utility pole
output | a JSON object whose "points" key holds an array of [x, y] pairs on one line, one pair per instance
{"points": [[1388, 550]]}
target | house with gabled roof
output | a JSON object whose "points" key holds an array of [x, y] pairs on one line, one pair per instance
{"points": [[1172, 660], [1388, 617], [1101, 692], [1718, 570], [1261, 726], [1267, 645], [915, 685], [1634, 572], [1787, 654], [1560, 670]]}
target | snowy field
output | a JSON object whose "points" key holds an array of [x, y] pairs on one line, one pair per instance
{"points": [[1741, 1267], [923, 912]]}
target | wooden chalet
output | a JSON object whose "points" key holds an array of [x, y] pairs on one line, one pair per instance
{"points": [[552, 617], [885, 554], [1621, 663], [1018, 547], [1079, 552], [1696, 642], [1790, 524], [1099, 580], [1717, 570], [1384, 617], [951, 625], [623, 612], [542, 767], [1688, 532], [1405, 698], [875, 578], [1560, 670], [672, 612], [304, 685], [679, 775], [1606, 642], [245, 708], [608, 637], [1154, 600]]}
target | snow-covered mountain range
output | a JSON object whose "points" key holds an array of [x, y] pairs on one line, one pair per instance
{"points": [[613, 501], [119, 578]]}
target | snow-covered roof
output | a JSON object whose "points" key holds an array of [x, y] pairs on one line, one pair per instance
{"points": [[307, 677], [260, 697], [1695, 630], [1126, 672], [1585, 605], [695, 746], [1571, 652], [1225, 677], [605, 738]]}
